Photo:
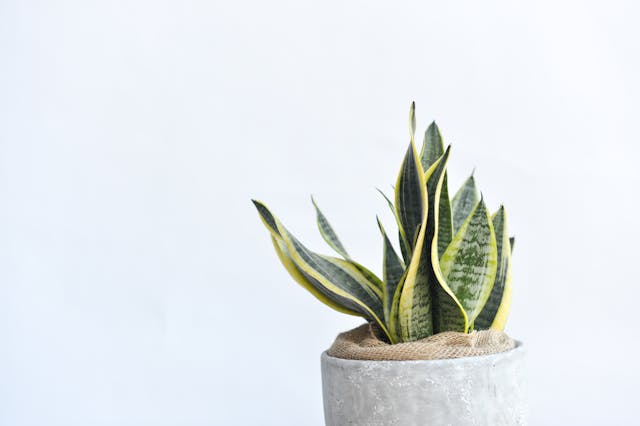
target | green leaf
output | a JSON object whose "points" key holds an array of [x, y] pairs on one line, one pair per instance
{"points": [[487, 316], [408, 194], [412, 120], [338, 280], [392, 271], [423, 278], [500, 320], [469, 264], [328, 233], [331, 238], [299, 277], [445, 218], [464, 201], [373, 281], [405, 246], [432, 146], [512, 242], [432, 150]]}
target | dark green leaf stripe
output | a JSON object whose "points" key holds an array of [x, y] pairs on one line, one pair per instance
{"points": [[405, 246], [412, 119], [421, 280], [411, 306], [304, 281], [445, 219], [488, 314], [432, 146], [447, 312], [365, 277], [500, 319], [328, 233], [432, 150], [469, 264], [464, 201], [267, 218], [408, 194], [336, 279], [332, 239], [392, 271]]}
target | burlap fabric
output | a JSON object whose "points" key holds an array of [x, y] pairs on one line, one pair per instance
{"points": [[362, 344]]}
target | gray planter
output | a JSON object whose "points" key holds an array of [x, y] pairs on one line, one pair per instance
{"points": [[482, 390]]}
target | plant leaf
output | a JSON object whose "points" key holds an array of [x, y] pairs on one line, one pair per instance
{"points": [[512, 242], [464, 201], [392, 271], [432, 146], [469, 264], [327, 232], [412, 120], [408, 194], [365, 277], [432, 150], [422, 277], [336, 279], [500, 320], [405, 246], [445, 218], [299, 277], [331, 238], [488, 315]]}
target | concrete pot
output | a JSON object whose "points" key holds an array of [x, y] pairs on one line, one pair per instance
{"points": [[482, 390]]}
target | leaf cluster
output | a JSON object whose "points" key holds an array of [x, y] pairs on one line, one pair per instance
{"points": [[453, 272]]}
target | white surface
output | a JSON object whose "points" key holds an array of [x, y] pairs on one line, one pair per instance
{"points": [[137, 285]]}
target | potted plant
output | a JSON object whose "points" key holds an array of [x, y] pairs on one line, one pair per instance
{"points": [[433, 351]]}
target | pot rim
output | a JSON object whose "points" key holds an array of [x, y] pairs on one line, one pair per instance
{"points": [[519, 349]]}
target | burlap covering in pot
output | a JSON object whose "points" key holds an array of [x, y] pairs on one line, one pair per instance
{"points": [[362, 344]]}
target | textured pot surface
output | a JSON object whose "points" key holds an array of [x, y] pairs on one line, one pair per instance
{"points": [[483, 390]]}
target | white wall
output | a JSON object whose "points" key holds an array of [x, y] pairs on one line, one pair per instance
{"points": [[137, 285]]}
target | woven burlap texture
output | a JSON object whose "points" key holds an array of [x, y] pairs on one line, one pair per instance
{"points": [[361, 343]]}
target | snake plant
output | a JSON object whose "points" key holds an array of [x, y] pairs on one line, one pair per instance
{"points": [[454, 268]]}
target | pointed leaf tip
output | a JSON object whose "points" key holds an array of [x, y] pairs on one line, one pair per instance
{"points": [[464, 201], [327, 232], [412, 120]]}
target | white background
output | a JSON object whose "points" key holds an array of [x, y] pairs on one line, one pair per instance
{"points": [[137, 284]]}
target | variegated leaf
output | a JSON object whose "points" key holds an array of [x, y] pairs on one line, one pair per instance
{"points": [[432, 150], [422, 280], [327, 232], [488, 314], [445, 218], [408, 192], [432, 146], [412, 120], [405, 246], [464, 201], [329, 235], [298, 276], [500, 320], [469, 264], [337, 279], [392, 270]]}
